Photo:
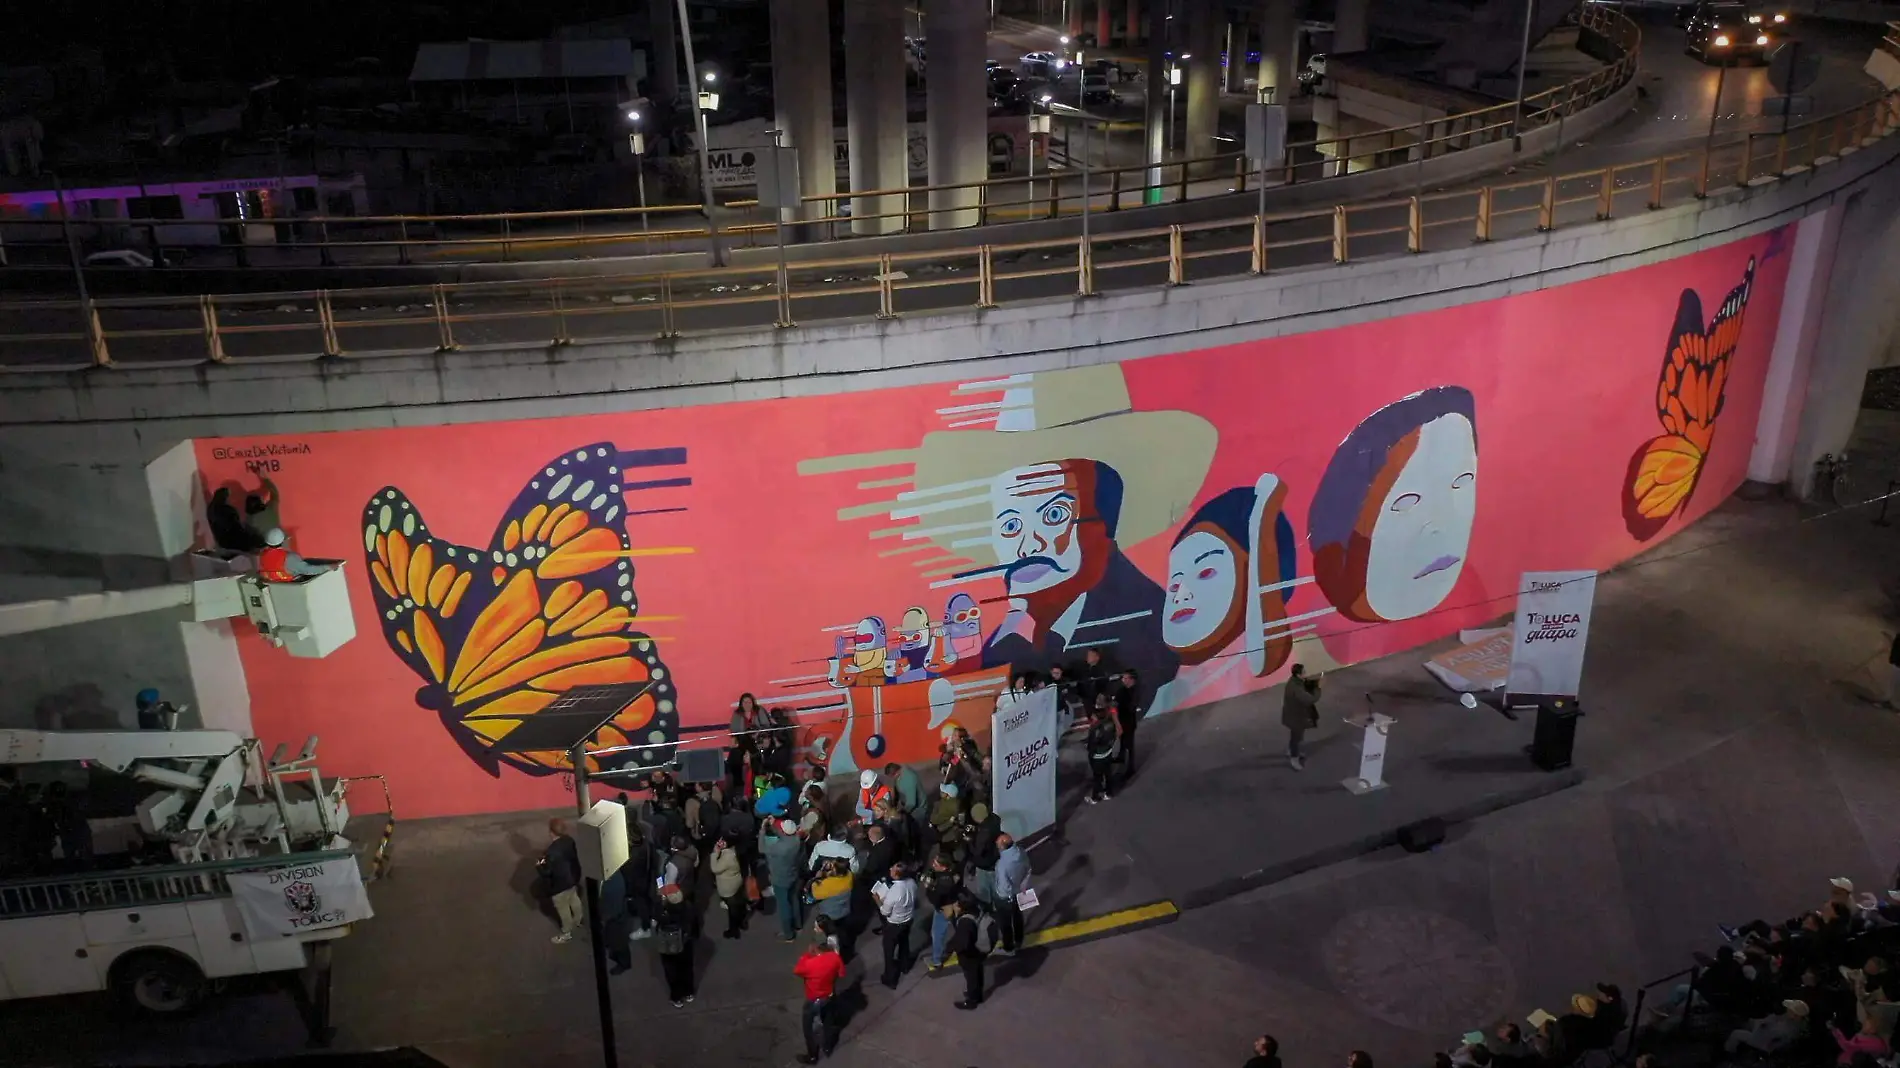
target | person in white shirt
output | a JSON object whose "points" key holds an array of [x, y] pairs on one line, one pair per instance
{"points": [[836, 847], [896, 897]]}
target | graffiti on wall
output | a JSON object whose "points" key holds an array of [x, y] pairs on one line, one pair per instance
{"points": [[878, 565]]}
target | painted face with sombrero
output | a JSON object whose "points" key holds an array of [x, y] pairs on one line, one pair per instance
{"points": [[1063, 475]]}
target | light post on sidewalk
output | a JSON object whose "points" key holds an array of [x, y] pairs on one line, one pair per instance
{"points": [[1523, 60], [705, 98], [637, 143]]}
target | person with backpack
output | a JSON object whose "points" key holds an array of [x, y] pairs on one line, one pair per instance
{"points": [[964, 943], [677, 930], [703, 811], [682, 867]]}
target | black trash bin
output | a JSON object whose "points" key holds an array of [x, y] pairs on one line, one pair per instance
{"points": [[1556, 733]]}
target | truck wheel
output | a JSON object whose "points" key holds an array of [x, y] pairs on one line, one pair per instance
{"points": [[159, 982]]}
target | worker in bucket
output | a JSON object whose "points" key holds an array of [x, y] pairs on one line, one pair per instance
{"points": [[155, 713], [276, 563]]}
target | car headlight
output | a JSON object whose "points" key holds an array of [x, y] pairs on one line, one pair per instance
{"points": [[1721, 40], [1762, 40], [1754, 20], [1781, 18]]}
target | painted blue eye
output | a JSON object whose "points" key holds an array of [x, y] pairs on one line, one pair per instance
{"points": [[1055, 515], [1011, 527]]}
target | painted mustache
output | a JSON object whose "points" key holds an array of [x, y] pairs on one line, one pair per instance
{"points": [[1032, 569]]}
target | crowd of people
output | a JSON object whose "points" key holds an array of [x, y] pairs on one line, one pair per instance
{"points": [[1817, 988], [928, 870]]}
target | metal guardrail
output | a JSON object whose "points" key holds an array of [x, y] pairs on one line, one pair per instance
{"points": [[407, 239], [446, 317], [135, 887]]}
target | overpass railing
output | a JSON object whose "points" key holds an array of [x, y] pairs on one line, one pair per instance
{"points": [[408, 239], [557, 311]]}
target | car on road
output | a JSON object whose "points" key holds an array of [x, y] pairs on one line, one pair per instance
{"points": [[119, 257], [1039, 64], [1724, 31], [1095, 90]]}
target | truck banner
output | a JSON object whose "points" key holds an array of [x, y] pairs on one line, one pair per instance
{"points": [[301, 898], [1023, 762]]}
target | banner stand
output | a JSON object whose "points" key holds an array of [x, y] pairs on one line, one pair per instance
{"points": [[1023, 738], [1549, 636]]}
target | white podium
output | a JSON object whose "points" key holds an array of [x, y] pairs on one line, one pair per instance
{"points": [[1371, 753]]}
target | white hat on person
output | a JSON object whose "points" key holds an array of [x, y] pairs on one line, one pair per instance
{"points": [[275, 537], [1842, 882], [868, 779]]}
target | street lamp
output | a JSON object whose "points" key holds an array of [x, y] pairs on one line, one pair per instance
{"points": [[1523, 60], [703, 101], [637, 142]]}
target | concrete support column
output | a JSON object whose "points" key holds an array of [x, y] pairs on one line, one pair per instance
{"points": [[1206, 25], [1234, 75], [1104, 23], [957, 108], [1350, 33], [1075, 20], [1279, 48], [1785, 386], [664, 78], [1134, 35], [801, 95], [875, 113]]}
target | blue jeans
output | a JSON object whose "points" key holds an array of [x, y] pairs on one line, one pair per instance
{"points": [[939, 933], [785, 899], [985, 884]]}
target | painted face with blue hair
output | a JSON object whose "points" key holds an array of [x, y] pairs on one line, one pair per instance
{"points": [[1230, 572]]}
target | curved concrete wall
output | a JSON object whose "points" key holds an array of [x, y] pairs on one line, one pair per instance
{"points": [[99, 479]]}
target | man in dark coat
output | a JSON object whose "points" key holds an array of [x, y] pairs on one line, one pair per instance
{"points": [[1299, 712]]}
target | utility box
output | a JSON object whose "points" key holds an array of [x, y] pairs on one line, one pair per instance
{"points": [[308, 618], [602, 838], [1266, 135]]}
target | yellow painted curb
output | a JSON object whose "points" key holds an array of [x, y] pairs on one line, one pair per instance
{"points": [[1093, 927]]}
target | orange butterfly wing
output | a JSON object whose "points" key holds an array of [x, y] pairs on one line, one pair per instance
{"points": [[1690, 393], [497, 635]]}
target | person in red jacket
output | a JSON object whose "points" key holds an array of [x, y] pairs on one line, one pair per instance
{"points": [[821, 967]]}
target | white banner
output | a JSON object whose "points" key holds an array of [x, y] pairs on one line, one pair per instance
{"points": [[1023, 764], [1480, 665], [300, 898], [1553, 625]]}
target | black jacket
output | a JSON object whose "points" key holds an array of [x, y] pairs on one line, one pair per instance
{"points": [[983, 851], [562, 865], [963, 941]]}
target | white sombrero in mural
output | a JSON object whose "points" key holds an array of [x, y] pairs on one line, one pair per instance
{"points": [[1074, 414]]}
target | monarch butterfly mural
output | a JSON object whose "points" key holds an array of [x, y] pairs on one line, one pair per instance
{"points": [[1663, 473], [497, 634]]}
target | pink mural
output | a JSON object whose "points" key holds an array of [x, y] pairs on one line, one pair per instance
{"points": [[879, 563]]}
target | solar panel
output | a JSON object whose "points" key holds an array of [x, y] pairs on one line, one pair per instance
{"points": [[572, 718]]}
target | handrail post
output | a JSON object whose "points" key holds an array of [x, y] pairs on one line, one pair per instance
{"points": [[96, 336], [323, 244], [1658, 174], [1114, 190], [560, 314], [1184, 182], [1781, 155], [1084, 268], [1748, 159], [1259, 244], [985, 278], [506, 229], [782, 282], [667, 328], [983, 204], [326, 323], [1606, 197], [886, 292], [1341, 234], [1415, 226], [402, 241], [1702, 179], [1240, 175], [1547, 205], [214, 344], [1484, 214], [1177, 264], [445, 332]]}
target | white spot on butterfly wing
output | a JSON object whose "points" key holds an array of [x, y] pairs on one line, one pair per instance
{"points": [[560, 486], [369, 539], [408, 522], [383, 517], [611, 512], [581, 492], [599, 499]]}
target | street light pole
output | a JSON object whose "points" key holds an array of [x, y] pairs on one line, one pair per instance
{"points": [[705, 155], [1715, 112], [1082, 117], [1523, 60]]}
